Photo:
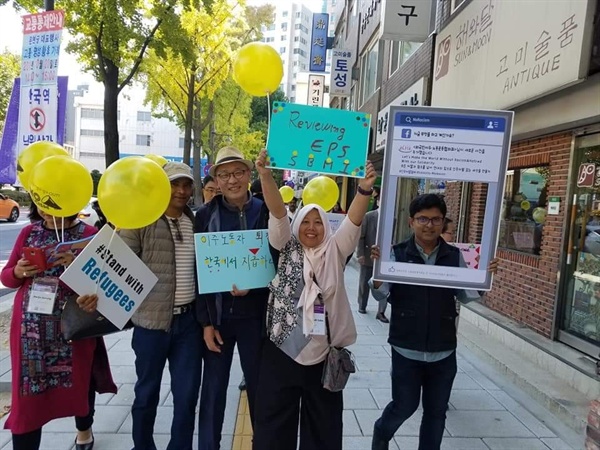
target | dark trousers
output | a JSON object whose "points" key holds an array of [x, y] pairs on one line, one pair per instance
{"points": [[247, 333], [365, 274], [288, 390], [32, 439], [409, 379], [182, 346]]}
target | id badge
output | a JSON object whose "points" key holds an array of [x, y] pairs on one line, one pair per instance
{"points": [[42, 295], [319, 320]]}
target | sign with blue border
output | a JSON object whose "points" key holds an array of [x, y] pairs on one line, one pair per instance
{"points": [[318, 44]]}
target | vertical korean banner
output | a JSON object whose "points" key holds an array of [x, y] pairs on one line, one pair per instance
{"points": [[316, 89], [318, 45], [340, 83], [38, 103]]}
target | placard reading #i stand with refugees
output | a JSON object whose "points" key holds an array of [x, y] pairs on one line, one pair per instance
{"points": [[443, 144], [321, 140], [115, 273]]}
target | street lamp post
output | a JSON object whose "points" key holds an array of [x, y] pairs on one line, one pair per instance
{"points": [[49, 5]]}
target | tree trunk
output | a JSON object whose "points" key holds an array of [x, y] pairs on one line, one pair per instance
{"points": [[196, 125], [111, 106], [189, 117]]}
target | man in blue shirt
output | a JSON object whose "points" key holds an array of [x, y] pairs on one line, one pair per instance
{"points": [[422, 329]]}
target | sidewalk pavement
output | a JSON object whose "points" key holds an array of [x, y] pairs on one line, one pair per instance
{"points": [[486, 411]]}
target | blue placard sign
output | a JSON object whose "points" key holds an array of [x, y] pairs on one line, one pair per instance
{"points": [[322, 140], [234, 257], [318, 45]]}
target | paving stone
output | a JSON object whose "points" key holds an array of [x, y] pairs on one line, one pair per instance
{"points": [[485, 424], [54, 441], [363, 330], [464, 381], [528, 419], [363, 443], [556, 444], [125, 395], [374, 364], [107, 419], [474, 400], [369, 380], [450, 443], [368, 350], [514, 444], [359, 399], [123, 358], [350, 424]]}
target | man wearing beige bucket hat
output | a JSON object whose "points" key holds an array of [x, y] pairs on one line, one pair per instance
{"points": [[235, 316]]}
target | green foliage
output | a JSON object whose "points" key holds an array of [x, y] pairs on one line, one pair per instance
{"points": [[21, 197], [10, 68], [260, 107]]}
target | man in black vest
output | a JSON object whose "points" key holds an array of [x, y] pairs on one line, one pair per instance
{"points": [[422, 330]]}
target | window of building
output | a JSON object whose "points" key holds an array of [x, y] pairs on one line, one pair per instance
{"points": [[281, 50], [144, 116], [524, 209], [295, 63], [284, 37], [92, 113], [284, 26], [271, 27], [455, 4], [95, 133], [181, 142], [284, 14], [303, 66], [368, 72], [296, 38], [298, 14], [400, 52], [143, 139], [293, 87], [292, 99]]}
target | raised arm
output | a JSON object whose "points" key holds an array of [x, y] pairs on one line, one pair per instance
{"points": [[269, 187], [360, 203]]}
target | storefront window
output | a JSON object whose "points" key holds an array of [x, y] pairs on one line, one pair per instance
{"points": [[524, 209], [582, 306]]}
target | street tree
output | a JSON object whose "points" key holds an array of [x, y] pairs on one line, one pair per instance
{"points": [[111, 39], [10, 67]]}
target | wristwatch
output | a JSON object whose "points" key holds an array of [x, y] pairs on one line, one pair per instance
{"points": [[361, 191]]}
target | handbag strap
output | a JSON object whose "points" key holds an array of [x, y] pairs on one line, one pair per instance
{"points": [[326, 314]]}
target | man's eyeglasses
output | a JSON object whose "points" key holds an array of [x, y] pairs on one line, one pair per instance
{"points": [[178, 234], [435, 221], [225, 176]]}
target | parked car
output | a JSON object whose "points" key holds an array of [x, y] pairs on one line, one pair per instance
{"points": [[90, 215], [9, 209]]}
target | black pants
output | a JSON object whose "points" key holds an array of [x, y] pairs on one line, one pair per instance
{"points": [[215, 380], [287, 390], [409, 379], [32, 439]]}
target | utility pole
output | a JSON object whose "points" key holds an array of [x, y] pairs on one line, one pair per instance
{"points": [[49, 5]]}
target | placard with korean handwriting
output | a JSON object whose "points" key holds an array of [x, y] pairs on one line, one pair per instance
{"points": [[321, 140], [233, 257], [456, 146]]}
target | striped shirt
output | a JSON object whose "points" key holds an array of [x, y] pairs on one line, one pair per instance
{"points": [[185, 258]]}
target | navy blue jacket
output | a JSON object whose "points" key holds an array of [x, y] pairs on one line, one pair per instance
{"points": [[217, 216], [423, 317]]}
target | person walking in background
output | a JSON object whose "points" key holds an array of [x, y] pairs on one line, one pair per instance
{"points": [[166, 328], [51, 378], [209, 188], [449, 230], [422, 329], [309, 282], [234, 317], [368, 232]]}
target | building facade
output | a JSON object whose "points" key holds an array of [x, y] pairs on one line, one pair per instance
{"points": [[139, 132], [542, 61]]}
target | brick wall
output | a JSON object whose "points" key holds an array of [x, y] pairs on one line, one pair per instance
{"points": [[525, 285], [452, 199], [592, 441]]}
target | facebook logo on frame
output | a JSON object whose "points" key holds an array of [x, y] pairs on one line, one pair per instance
{"points": [[406, 133]]}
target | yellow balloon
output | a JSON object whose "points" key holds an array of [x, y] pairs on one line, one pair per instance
{"points": [[258, 69], [32, 155], [287, 193], [134, 192], [322, 191], [60, 186], [160, 160]]}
